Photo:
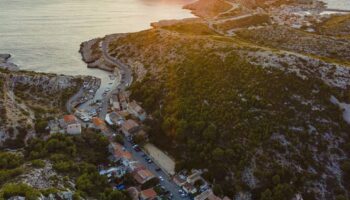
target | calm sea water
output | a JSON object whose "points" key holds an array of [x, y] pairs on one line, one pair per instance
{"points": [[45, 35], [338, 4]]}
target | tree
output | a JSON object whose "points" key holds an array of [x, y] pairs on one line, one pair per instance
{"points": [[92, 184], [139, 139], [266, 195], [119, 138], [218, 154], [113, 195], [210, 133], [282, 192], [40, 126], [19, 189], [276, 179], [10, 160]]}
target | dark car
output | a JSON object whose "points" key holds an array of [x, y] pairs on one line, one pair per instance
{"points": [[138, 149], [158, 169]]}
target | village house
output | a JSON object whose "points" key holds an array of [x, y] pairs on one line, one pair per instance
{"points": [[136, 110], [195, 176], [114, 102], [179, 180], [74, 129], [70, 124], [189, 188], [142, 175], [123, 100], [148, 194], [114, 172], [54, 127], [208, 195], [121, 154], [130, 127], [114, 118], [99, 124]]}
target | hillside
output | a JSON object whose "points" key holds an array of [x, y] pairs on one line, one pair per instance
{"points": [[28, 99], [265, 120]]}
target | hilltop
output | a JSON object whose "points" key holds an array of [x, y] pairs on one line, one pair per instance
{"points": [[246, 92]]}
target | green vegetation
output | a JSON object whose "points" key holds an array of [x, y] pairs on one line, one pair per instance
{"points": [[76, 157], [10, 166], [38, 163], [222, 114], [337, 25], [282, 37], [253, 20], [20, 189], [191, 28], [209, 8]]}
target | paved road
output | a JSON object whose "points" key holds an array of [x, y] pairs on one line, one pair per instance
{"points": [[76, 96], [126, 80], [167, 183], [124, 71]]}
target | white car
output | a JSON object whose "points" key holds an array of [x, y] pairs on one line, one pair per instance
{"points": [[161, 178]]}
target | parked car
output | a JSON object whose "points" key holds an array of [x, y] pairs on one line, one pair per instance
{"points": [[161, 178], [158, 169], [138, 149]]}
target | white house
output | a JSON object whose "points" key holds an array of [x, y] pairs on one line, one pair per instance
{"points": [[74, 128]]}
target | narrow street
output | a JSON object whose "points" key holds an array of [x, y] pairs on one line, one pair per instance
{"points": [[167, 182], [125, 81]]}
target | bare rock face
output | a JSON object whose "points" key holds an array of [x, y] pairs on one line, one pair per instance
{"points": [[4, 64], [4, 57]]}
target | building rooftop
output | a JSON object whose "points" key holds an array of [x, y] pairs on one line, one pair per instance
{"points": [[148, 194], [130, 124], [143, 175], [119, 152], [68, 119]]}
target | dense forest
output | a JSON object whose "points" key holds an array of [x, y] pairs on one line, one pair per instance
{"points": [[255, 129]]}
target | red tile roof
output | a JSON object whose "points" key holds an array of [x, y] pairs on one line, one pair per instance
{"points": [[148, 194], [69, 119]]}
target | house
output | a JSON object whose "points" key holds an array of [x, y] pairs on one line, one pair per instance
{"points": [[114, 102], [133, 193], [114, 118], [114, 171], [130, 127], [135, 165], [70, 124], [74, 129], [179, 180], [136, 110], [99, 124], [207, 195], [120, 153], [123, 100], [189, 188], [68, 119], [54, 127], [195, 176], [148, 194], [142, 175]]}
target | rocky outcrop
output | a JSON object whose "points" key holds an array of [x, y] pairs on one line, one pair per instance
{"points": [[5, 64]]}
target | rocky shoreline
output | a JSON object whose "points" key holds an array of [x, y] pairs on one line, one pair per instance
{"points": [[6, 64], [92, 55]]}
